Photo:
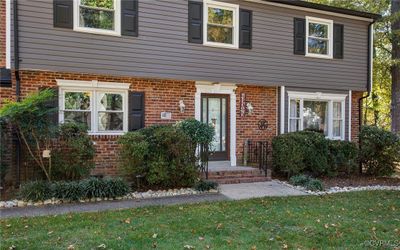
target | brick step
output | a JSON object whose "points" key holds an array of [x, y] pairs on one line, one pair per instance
{"points": [[235, 176], [241, 180], [234, 173]]}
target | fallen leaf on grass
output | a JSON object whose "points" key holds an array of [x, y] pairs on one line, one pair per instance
{"points": [[201, 238], [220, 225], [188, 247], [253, 248], [12, 247], [71, 247], [154, 236], [326, 226], [103, 246], [127, 221]]}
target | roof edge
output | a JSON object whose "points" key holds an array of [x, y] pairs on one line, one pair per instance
{"points": [[323, 7]]}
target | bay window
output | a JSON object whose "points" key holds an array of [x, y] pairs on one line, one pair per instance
{"points": [[317, 112], [101, 108]]}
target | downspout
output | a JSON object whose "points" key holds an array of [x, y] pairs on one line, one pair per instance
{"points": [[369, 80], [17, 87]]}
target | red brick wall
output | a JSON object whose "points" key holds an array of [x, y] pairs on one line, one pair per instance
{"points": [[355, 118], [264, 102], [160, 95], [2, 33]]}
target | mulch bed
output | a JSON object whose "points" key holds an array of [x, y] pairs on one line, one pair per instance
{"points": [[355, 181]]}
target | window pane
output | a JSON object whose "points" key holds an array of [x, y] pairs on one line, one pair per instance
{"points": [[318, 30], [317, 46], [94, 18], [109, 4], [110, 102], [214, 117], [111, 121], [78, 117], [337, 110], [77, 100], [294, 125], [295, 108], [220, 16], [219, 34], [315, 116], [337, 128]]}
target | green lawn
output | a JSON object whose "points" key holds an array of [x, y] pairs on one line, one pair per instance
{"points": [[347, 221]]}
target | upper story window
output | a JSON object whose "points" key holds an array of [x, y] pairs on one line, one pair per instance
{"points": [[319, 35], [221, 24], [98, 16]]}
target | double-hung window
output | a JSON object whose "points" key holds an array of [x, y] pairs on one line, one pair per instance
{"points": [[317, 112], [101, 108], [319, 34], [94, 16], [221, 24]]}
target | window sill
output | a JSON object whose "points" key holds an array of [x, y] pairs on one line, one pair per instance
{"points": [[97, 31], [221, 45], [319, 56], [106, 133]]}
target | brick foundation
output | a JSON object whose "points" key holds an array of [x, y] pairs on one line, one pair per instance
{"points": [[355, 115]]}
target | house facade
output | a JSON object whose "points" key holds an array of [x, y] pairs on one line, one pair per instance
{"points": [[252, 68]]}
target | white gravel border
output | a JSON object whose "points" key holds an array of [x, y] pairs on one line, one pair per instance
{"points": [[334, 190], [131, 196]]}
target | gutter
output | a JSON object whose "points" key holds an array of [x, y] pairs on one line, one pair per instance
{"points": [[369, 79], [17, 87]]}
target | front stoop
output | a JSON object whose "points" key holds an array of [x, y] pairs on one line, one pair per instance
{"points": [[238, 176]]}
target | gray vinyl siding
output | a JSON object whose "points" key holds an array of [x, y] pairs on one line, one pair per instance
{"points": [[162, 49], [332, 91]]}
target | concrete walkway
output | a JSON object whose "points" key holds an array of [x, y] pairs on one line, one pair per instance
{"points": [[258, 189], [228, 192]]}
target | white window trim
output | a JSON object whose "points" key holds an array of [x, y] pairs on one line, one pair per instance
{"points": [[318, 96], [222, 5], [95, 87], [330, 36], [117, 21], [8, 34]]}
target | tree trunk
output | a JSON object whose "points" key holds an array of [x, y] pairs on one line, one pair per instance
{"points": [[396, 67]]}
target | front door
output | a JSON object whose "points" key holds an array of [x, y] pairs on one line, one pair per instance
{"points": [[215, 111]]}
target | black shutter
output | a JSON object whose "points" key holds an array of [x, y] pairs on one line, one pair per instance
{"points": [[338, 38], [245, 28], [5, 77], [299, 36], [129, 17], [63, 13], [195, 21], [52, 104], [136, 110]]}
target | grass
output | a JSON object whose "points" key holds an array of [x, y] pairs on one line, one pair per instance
{"points": [[350, 220]]}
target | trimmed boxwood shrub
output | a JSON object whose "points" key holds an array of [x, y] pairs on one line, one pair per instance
{"points": [[343, 157], [379, 150], [162, 155], [74, 190], [301, 152]]}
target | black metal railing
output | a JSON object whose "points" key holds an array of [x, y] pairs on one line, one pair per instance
{"points": [[255, 153], [203, 154]]}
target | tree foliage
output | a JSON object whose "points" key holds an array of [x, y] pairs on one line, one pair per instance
{"points": [[377, 107]]}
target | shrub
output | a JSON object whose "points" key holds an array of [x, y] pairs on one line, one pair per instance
{"points": [[307, 182], [300, 152], [299, 180], [36, 191], [205, 185], [197, 131], [72, 190], [162, 154], [343, 157], [314, 185], [73, 158], [379, 150], [115, 187]]}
